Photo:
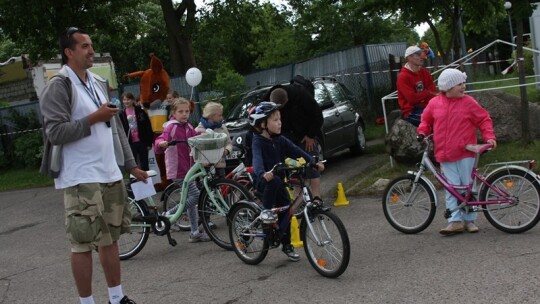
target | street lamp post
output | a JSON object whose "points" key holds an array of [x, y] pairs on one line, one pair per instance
{"points": [[508, 6]]}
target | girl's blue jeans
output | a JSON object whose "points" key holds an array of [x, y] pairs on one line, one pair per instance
{"points": [[458, 173]]}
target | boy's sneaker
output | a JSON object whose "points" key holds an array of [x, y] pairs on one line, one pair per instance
{"points": [[291, 254], [125, 300], [199, 237], [268, 217], [317, 201]]}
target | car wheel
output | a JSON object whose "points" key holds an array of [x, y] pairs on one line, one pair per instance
{"points": [[359, 146]]}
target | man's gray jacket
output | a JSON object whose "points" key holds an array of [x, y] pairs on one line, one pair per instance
{"points": [[56, 103]]}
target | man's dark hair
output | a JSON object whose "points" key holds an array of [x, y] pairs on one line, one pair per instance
{"points": [[66, 40]]}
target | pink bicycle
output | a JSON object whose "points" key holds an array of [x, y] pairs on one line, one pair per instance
{"points": [[508, 194]]}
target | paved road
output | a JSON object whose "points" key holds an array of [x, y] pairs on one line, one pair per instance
{"points": [[386, 266]]}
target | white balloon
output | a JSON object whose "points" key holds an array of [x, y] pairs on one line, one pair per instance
{"points": [[193, 77]]}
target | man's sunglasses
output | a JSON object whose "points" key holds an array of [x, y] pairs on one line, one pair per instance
{"points": [[72, 30]]}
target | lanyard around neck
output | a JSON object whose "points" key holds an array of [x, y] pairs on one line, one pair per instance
{"points": [[91, 91]]}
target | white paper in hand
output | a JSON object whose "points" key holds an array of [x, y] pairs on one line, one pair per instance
{"points": [[142, 190]]}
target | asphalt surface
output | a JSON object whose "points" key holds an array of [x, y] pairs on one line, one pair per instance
{"points": [[386, 266]]}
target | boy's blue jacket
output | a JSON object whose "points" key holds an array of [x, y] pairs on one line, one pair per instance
{"points": [[268, 152]]}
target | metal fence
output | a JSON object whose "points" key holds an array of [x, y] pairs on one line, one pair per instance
{"points": [[363, 69]]}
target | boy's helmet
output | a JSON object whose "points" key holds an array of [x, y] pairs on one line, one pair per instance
{"points": [[261, 112]]}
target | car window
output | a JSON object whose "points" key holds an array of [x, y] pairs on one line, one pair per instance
{"points": [[321, 95], [335, 92]]}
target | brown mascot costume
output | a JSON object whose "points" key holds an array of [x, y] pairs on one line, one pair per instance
{"points": [[154, 86]]}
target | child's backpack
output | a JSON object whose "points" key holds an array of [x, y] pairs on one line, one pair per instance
{"points": [[302, 81]]}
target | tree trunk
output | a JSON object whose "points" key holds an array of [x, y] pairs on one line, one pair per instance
{"points": [[525, 130], [179, 35]]}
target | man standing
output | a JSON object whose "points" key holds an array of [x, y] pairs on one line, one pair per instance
{"points": [[415, 86], [301, 120], [84, 148]]}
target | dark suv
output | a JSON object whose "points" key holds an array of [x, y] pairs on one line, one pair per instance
{"points": [[343, 125]]}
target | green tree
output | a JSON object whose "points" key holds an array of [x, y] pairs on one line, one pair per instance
{"points": [[127, 29], [334, 25], [476, 17], [244, 35]]}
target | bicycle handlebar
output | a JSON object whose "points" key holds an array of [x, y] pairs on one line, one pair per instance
{"points": [[284, 167], [176, 141]]}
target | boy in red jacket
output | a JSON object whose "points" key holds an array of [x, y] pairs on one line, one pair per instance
{"points": [[415, 86]]}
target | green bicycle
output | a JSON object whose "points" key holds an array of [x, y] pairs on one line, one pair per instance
{"points": [[216, 198]]}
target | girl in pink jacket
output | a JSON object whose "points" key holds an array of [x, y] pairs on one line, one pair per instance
{"points": [[454, 117], [178, 160]]}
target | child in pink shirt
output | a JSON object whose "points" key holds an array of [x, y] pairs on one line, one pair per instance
{"points": [[178, 160], [454, 117]]}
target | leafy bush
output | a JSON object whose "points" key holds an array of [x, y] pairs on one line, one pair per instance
{"points": [[29, 149], [22, 149]]}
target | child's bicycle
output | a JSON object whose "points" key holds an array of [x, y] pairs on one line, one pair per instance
{"points": [[325, 239], [509, 194], [244, 175], [214, 202]]}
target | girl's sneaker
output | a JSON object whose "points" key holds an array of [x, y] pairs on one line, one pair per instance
{"points": [[453, 228], [199, 237], [471, 227]]}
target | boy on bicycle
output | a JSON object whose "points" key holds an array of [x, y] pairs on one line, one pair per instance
{"points": [[270, 148]]}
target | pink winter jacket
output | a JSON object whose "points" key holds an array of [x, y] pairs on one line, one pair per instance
{"points": [[454, 122], [177, 158]]}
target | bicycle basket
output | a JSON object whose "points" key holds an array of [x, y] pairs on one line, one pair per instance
{"points": [[208, 147]]}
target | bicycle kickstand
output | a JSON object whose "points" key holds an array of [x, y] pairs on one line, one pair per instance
{"points": [[172, 241]]}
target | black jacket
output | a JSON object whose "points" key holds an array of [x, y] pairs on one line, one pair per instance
{"points": [[301, 115], [146, 134]]}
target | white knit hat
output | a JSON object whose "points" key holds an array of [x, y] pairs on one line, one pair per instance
{"points": [[412, 50], [450, 78]]}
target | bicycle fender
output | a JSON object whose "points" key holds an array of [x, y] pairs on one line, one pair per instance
{"points": [[520, 168]]}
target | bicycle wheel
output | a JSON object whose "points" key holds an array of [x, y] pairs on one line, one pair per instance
{"points": [[246, 234], [131, 243], [170, 199], [330, 255], [524, 212], [225, 192], [406, 211]]}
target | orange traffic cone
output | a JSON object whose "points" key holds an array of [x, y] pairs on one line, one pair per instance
{"points": [[341, 199], [295, 233]]}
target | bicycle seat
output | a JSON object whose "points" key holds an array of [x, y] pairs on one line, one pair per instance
{"points": [[478, 149]]}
